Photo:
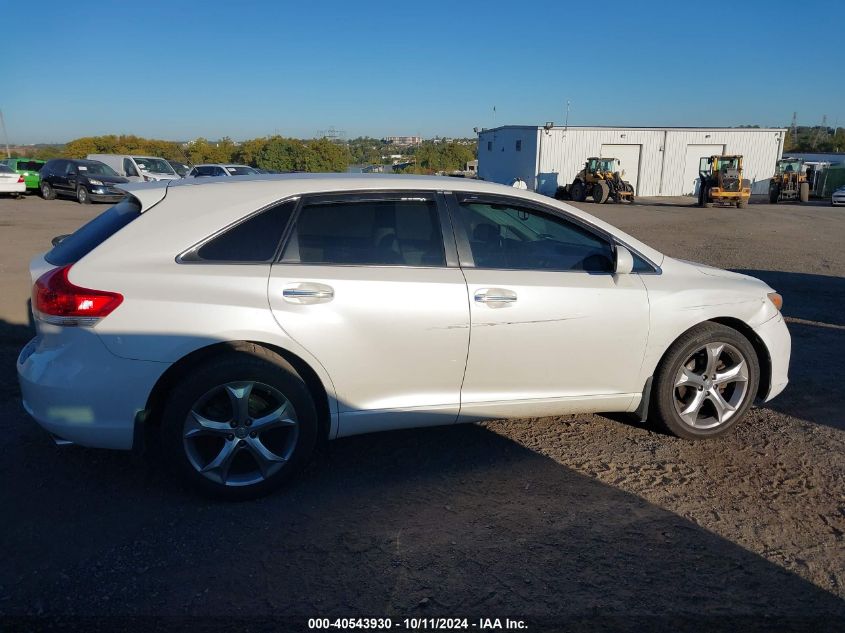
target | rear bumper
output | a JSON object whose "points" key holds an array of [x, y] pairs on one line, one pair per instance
{"points": [[79, 391], [775, 336], [17, 187]]}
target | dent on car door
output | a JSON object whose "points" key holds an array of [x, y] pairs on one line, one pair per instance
{"points": [[553, 329], [366, 285]]}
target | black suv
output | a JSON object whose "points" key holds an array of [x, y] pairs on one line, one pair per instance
{"points": [[85, 180]]}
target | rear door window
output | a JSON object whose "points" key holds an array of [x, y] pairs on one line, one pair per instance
{"points": [[382, 232], [76, 246]]}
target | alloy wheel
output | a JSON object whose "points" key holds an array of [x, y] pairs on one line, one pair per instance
{"points": [[240, 433], [711, 385]]}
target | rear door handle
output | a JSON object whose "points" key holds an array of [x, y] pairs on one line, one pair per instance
{"points": [[307, 293], [495, 295]]}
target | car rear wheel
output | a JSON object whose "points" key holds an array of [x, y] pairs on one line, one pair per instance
{"points": [[82, 195], [706, 382], [47, 191], [240, 426]]}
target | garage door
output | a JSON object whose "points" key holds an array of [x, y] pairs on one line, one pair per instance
{"points": [[629, 161], [691, 161]]}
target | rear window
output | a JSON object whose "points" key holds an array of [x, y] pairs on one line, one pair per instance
{"points": [[29, 165], [76, 246]]}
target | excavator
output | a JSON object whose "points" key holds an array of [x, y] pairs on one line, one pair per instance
{"points": [[600, 179], [721, 182], [789, 182]]}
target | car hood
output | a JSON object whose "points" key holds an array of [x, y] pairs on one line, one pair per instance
{"points": [[752, 283]]}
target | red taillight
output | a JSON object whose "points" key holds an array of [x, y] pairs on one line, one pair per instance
{"points": [[56, 300], [20, 179]]}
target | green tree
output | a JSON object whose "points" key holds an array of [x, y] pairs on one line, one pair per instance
{"points": [[328, 156]]}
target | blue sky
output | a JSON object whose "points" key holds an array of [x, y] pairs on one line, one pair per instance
{"points": [[179, 70]]}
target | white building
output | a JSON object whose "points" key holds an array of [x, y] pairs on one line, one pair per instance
{"points": [[656, 161]]}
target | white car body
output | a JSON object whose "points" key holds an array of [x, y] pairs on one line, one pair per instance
{"points": [[11, 181], [392, 346], [837, 198], [138, 168]]}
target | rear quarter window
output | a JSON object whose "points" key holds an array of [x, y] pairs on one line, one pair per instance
{"points": [[77, 245], [253, 240]]}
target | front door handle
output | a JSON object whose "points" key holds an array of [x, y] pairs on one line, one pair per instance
{"points": [[308, 293], [495, 295]]}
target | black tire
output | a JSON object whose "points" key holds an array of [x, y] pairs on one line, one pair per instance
{"points": [[804, 192], [664, 412], [704, 198], [578, 192], [601, 192], [774, 194], [47, 191], [82, 195], [251, 364], [741, 204]]}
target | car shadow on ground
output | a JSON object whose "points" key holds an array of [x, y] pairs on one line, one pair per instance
{"points": [[449, 521], [813, 310]]}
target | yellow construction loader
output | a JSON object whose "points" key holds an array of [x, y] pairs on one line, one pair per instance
{"points": [[721, 182], [600, 179], [789, 181]]}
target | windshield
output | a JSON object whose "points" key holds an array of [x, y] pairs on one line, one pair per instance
{"points": [[602, 164], [5, 169], [96, 168], [729, 163], [240, 170], [154, 165], [788, 166]]}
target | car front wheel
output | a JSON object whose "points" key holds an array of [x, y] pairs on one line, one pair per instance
{"points": [[706, 382], [241, 425]]}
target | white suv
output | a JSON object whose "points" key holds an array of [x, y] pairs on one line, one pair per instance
{"points": [[242, 320]]}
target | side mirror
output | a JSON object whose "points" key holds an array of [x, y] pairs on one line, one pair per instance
{"points": [[624, 261]]}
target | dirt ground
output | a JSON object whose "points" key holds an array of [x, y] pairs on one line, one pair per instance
{"points": [[572, 523]]}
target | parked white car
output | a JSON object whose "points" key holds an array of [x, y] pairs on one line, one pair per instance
{"points": [[138, 168], [242, 320], [11, 181], [214, 169], [838, 197]]}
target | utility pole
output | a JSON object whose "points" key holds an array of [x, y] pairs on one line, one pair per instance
{"points": [[5, 136]]}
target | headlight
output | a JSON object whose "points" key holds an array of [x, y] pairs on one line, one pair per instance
{"points": [[96, 183], [776, 299]]}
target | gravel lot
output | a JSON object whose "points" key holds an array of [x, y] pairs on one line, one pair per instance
{"points": [[572, 523]]}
